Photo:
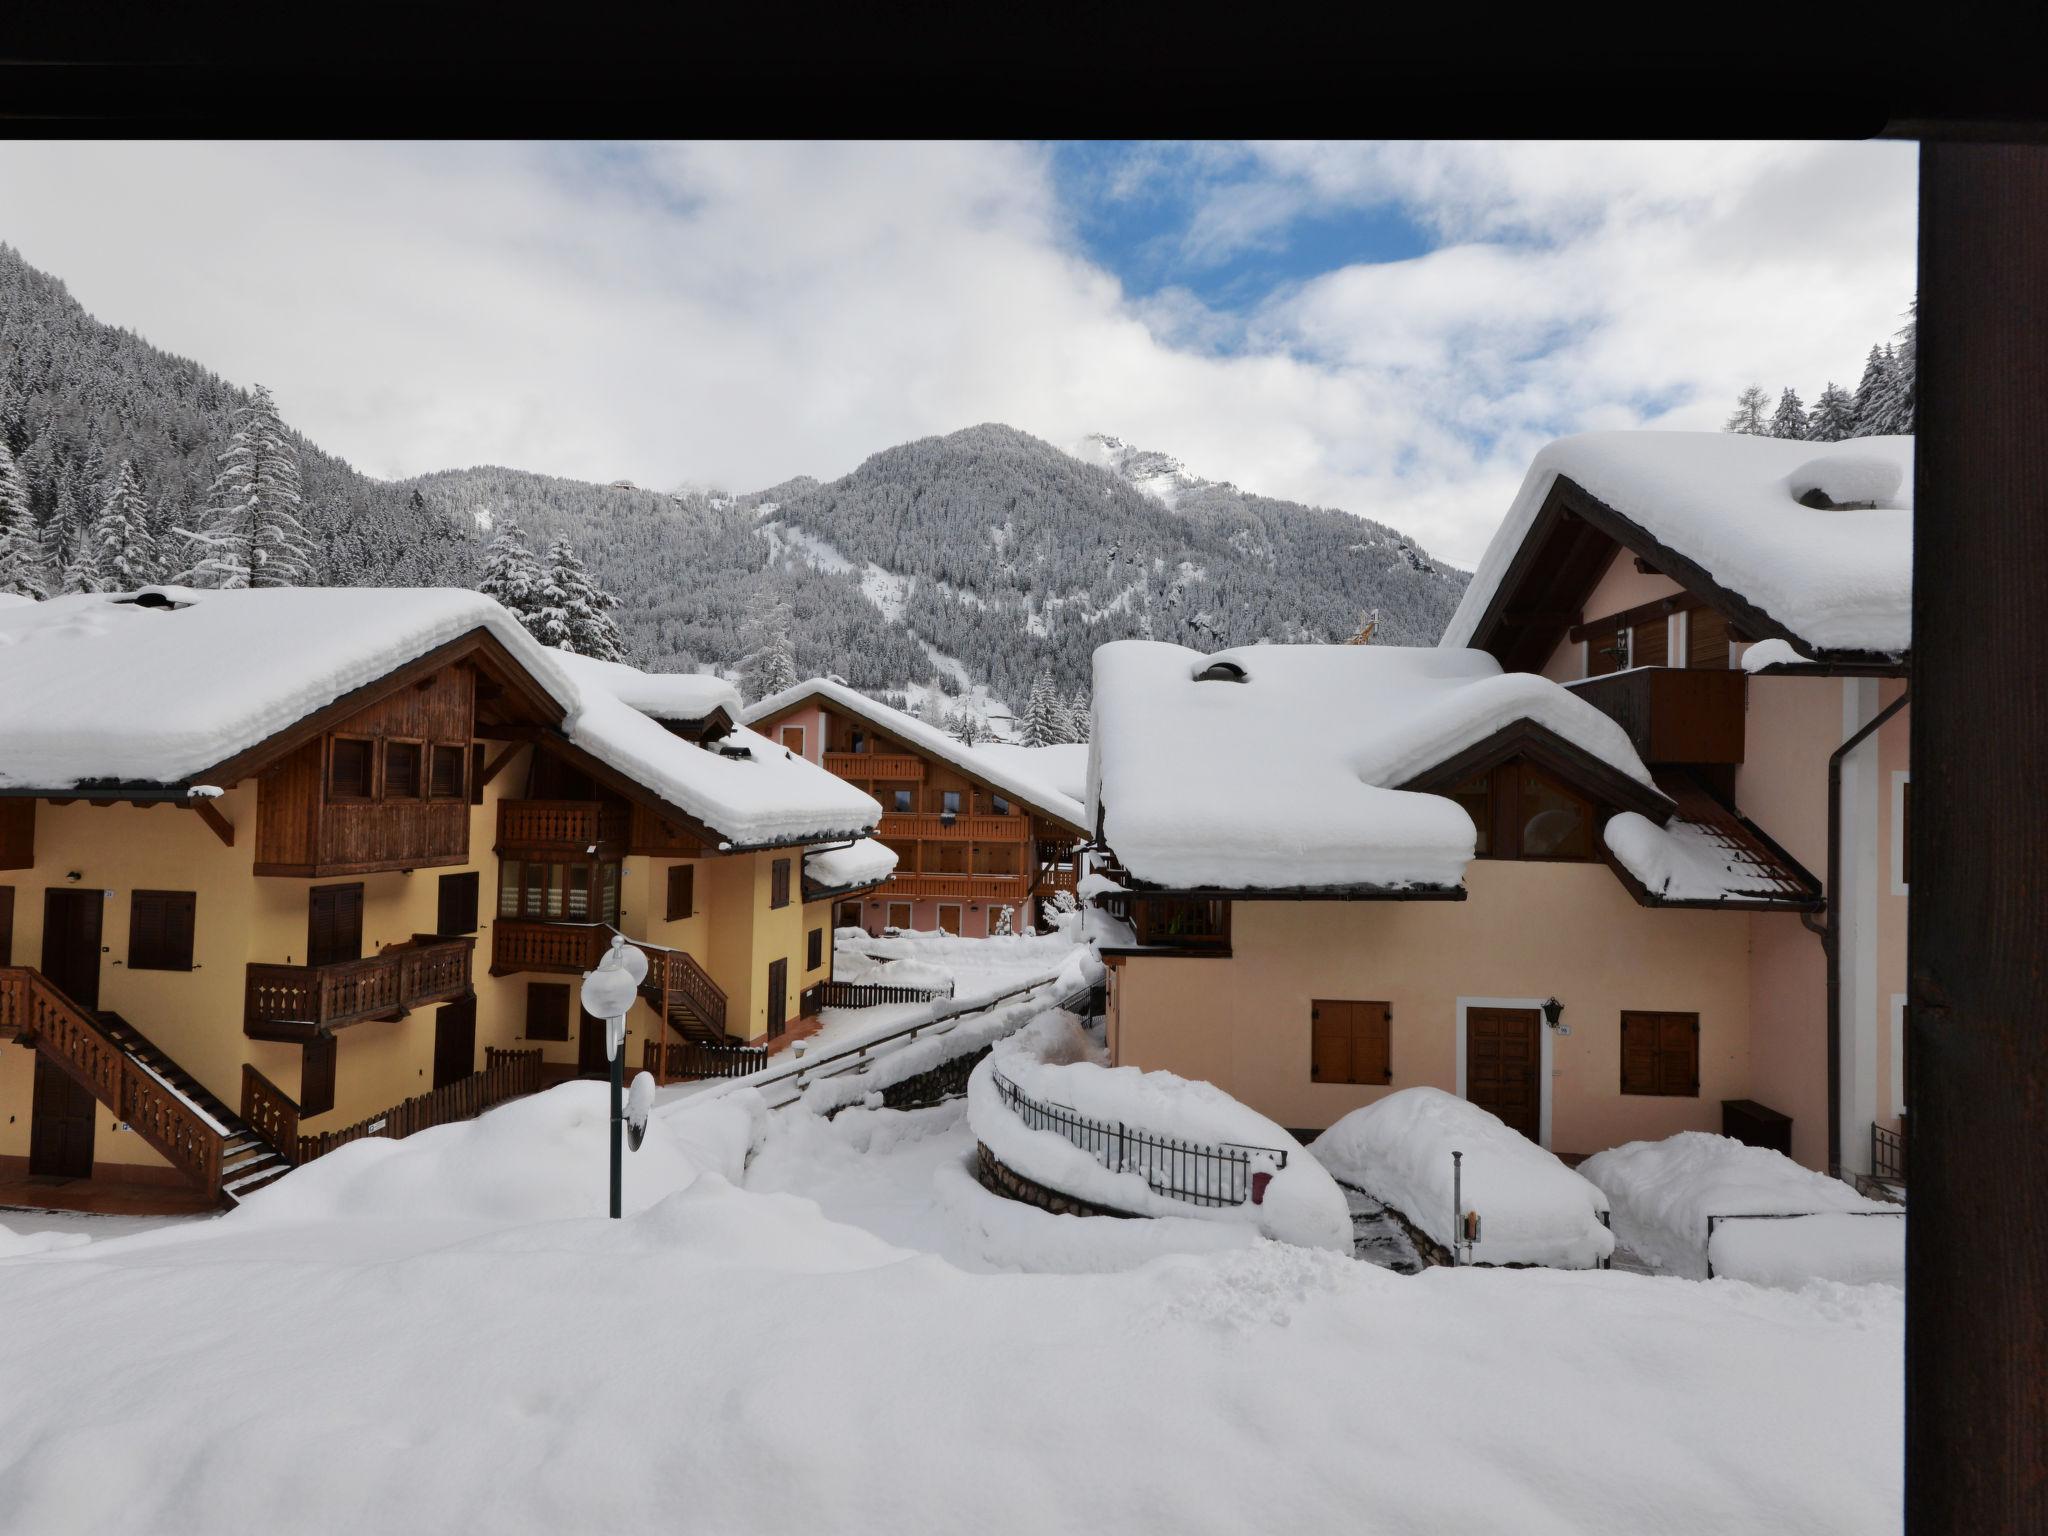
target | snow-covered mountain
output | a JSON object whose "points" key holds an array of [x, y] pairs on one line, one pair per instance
{"points": [[1159, 475]]}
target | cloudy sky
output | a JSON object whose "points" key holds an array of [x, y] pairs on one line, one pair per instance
{"points": [[1389, 328]]}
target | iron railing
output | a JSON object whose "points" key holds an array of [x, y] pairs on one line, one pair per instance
{"points": [[1713, 1221], [1200, 1173], [1888, 1154]]}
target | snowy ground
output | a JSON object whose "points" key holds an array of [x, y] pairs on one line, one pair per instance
{"points": [[841, 1331]]}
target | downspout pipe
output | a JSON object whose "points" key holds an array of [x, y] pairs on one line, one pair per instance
{"points": [[1828, 923]]}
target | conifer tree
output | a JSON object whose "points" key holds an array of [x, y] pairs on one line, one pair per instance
{"points": [[1080, 712], [123, 536], [513, 574], [1748, 415], [769, 665], [1868, 404], [251, 535], [1891, 402], [1833, 416], [1044, 721], [21, 551], [1790, 420], [586, 607]]}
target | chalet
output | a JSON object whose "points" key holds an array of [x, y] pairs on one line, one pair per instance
{"points": [[278, 867], [1570, 864], [982, 838]]}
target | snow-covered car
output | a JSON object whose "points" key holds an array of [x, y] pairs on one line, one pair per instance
{"points": [[1532, 1209], [1701, 1206]]}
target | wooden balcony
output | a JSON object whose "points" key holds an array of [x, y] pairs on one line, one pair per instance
{"points": [[562, 827], [915, 886], [930, 826], [864, 767], [1674, 714], [296, 1002], [526, 944]]}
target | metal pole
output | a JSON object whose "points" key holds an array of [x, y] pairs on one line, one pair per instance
{"points": [[1457, 1206], [618, 1109]]}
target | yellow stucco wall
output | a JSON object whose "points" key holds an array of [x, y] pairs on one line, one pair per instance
{"points": [[1527, 931]]}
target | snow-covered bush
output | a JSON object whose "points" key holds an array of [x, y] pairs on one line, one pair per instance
{"points": [[1664, 1191], [1053, 1061], [1532, 1209]]}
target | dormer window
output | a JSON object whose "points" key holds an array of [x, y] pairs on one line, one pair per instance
{"points": [[1221, 672]]}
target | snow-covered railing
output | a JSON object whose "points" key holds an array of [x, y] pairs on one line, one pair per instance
{"points": [[868, 994], [1197, 1172], [1715, 1221]]}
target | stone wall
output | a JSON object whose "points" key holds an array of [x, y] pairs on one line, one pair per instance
{"points": [[1003, 1180]]}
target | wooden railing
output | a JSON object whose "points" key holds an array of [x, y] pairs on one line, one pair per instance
{"points": [[935, 826], [681, 977], [526, 944], [861, 994], [906, 886], [1182, 922], [875, 765], [271, 1112], [34, 1011], [293, 1002], [506, 1075], [1674, 714], [562, 826], [689, 1060]]}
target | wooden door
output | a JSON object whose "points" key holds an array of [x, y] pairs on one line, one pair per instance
{"points": [[61, 1123], [71, 943], [1503, 1055], [778, 997], [949, 919], [334, 928], [454, 1042], [591, 1060]]}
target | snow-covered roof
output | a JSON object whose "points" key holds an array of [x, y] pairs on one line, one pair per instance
{"points": [[843, 868], [1838, 579], [1027, 783], [666, 696], [1282, 780], [1062, 767], [95, 689]]}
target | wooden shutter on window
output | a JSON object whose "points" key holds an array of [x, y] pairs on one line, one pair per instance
{"points": [[160, 930], [778, 996], [335, 924], [547, 1010], [682, 891], [1351, 1041], [476, 773], [1706, 642], [1651, 645], [1660, 1054], [458, 903], [1371, 1044], [780, 894], [816, 955], [6, 925], [1330, 1061], [316, 1075]]}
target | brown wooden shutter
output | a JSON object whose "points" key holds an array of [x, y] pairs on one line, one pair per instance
{"points": [[160, 925], [335, 924], [447, 773], [476, 773], [1706, 643], [1371, 1044], [815, 957], [316, 1075], [547, 1010], [779, 895], [6, 925], [458, 903], [1639, 1053], [1330, 1049], [401, 770], [1651, 646], [1678, 1054], [778, 996], [682, 891]]}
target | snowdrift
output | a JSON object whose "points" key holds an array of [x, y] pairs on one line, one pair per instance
{"points": [[1533, 1209]]}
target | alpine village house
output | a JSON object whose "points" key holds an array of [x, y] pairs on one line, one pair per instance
{"points": [[283, 867], [982, 836], [1625, 856]]}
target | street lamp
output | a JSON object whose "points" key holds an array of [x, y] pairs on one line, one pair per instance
{"points": [[608, 994]]}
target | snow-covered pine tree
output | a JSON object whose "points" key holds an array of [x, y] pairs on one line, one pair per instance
{"points": [[769, 665], [1748, 415], [21, 550], [1790, 419], [1891, 403], [251, 535], [123, 536], [1080, 716], [513, 574], [586, 607], [966, 727], [1043, 713], [1869, 404], [931, 709], [62, 533], [1833, 416]]}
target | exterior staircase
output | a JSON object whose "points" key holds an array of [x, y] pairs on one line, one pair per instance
{"points": [[682, 992], [164, 1104]]}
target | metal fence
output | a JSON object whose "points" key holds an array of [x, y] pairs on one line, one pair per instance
{"points": [[1888, 1154], [1714, 1221], [864, 994], [1201, 1173]]}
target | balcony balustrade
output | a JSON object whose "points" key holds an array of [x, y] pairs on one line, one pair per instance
{"points": [[295, 1002]]}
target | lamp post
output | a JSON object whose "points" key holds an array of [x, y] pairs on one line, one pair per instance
{"points": [[608, 994]]}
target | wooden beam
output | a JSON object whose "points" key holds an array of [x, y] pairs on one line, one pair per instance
{"points": [[210, 814], [1976, 1038], [497, 764]]}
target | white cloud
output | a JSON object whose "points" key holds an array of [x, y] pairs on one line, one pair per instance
{"points": [[740, 313]]}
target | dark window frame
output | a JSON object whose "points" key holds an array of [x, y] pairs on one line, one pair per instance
{"points": [[1347, 1022], [444, 751], [418, 747], [470, 906], [682, 892], [176, 927], [372, 760], [814, 949], [778, 885], [1667, 1078], [552, 991]]}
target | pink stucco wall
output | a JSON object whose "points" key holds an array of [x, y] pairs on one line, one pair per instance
{"points": [[1621, 587]]}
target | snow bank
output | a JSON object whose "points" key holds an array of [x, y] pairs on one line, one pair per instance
{"points": [[15, 1245], [865, 862], [1771, 653], [1026, 783], [1682, 862], [1325, 732], [1838, 580], [1053, 1062], [1664, 1191], [1532, 1209], [677, 696]]}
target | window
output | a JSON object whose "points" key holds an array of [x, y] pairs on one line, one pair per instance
{"points": [[949, 803], [334, 924], [1706, 638], [547, 1010], [778, 888], [778, 997], [579, 892], [401, 770], [682, 891], [860, 741], [348, 769], [1350, 1042], [1476, 796], [1000, 806], [1650, 643], [1555, 823], [949, 920], [6, 924], [458, 903], [316, 1075], [447, 779], [1607, 651], [793, 739], [160, 931], [902, 801], [476, 774], [1660, 1054], [814, 953]]}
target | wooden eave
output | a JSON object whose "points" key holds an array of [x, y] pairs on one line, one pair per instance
{"points": [[1542, 595], [1544, 747], [513, 694], [912, 749]]}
